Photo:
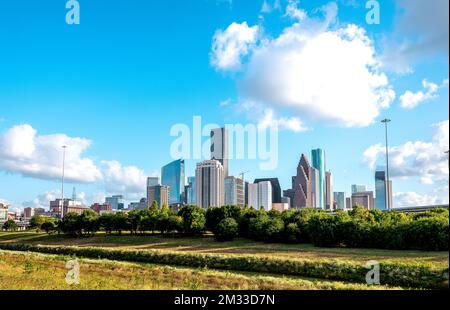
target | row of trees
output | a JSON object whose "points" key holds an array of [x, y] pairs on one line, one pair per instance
{"points": [[357, 228]]}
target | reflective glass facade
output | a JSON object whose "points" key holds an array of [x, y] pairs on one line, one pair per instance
{"points": [[318, 162], [172, 175]]}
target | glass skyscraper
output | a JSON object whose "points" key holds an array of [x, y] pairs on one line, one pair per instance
{"points": [[318, 162], [382, 201], [172, 175]]}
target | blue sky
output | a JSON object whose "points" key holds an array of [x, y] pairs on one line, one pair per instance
{"points": [[118, 82]]}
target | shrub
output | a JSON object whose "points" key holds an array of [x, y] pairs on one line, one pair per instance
{"points": [[48, 227], [273, 230], [226, 230], [419, 275], [215, 215], [193, 220], [244, 221]]}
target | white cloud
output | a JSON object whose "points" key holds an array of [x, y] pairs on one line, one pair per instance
{"points": [[266, 8], [410, 100], [294, 12], [231, 45], [314, 72], [43, 200], [421, 32], [413, 199], [124, 179], [282, 123], [23, 151], [426, 160]]}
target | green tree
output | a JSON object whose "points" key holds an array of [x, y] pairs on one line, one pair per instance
{"points": [[120, 222], [215, 215], [36, 222], [10, 225], [194, 219], [226, 230], [49, 227], [135, 220], [71, 224], [89, 221], [106, 222]]}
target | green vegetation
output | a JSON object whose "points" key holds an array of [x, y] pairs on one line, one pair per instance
{"points": [[359, 228], [10, 225], [25, 271], [419, 275]]}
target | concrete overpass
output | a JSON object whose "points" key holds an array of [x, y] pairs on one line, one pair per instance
{"points": [[419, 208]]}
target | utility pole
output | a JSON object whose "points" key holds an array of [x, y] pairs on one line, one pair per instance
{"points": [[62, 181], [386, 122]]}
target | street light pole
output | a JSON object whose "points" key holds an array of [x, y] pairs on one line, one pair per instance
{"points": [[62, 180], [386, 121]]}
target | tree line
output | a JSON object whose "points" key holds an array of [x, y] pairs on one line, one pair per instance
{"points": [[359, 227]]}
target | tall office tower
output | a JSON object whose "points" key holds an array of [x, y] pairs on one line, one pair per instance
{"points": [[172, 175], [348, 203], [303, 197], [152, 181], [383, 198], [363, 199], [117, 202], [246, 193], [260, 195], [315, 188], [209, 177], [265, 195], [190, 191], [358, 188], [158, 193], [339, 200], [219, 147], [290, 195], [276, 188], [329, 198], [253, 196], [318, 162], [234, 191]]}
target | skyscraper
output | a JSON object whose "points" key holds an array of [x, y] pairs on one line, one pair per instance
{"points": [[158, 193], [276, 188], [318, 162], [316, 188], [303, 187], [209, 177], [190, 191], [260, 195], [117, 202], [219, 147], [339, 199], [382, 201], [152, 181], [265, 195], [234, 191], [172, 175], [329, 197], [253, 196], [358, 188], [363, 199]]}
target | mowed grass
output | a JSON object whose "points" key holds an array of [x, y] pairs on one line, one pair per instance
{"points": [[207, 244], [33, 271]]}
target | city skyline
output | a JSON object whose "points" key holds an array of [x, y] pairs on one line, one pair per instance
{"points": [[115, 102]]}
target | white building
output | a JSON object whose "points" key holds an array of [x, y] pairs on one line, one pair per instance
{"points": [[234, 191], [210, 178], [260, 195]]}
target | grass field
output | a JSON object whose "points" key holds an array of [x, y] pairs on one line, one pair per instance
{"points": [[241, 246], [23, 271]]}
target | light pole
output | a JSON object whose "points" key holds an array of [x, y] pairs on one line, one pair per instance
{"points": [[386, 122], [62, 180]]}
